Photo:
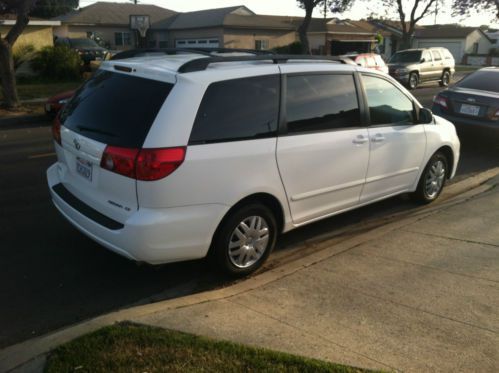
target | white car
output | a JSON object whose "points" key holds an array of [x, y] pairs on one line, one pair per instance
{"points": [[171, 158]]}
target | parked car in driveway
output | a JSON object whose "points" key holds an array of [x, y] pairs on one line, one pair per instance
{"points": [[413, 66], [473, 102], [369, 60], [170, 158], [55, 103], [88, 49]]}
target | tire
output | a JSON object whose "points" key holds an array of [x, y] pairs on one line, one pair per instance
{"points": [[413, 81], [432, 180], [240, 245], [445, 80]]}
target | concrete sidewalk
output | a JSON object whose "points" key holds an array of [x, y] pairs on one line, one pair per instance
{"points": [[418, 294]]}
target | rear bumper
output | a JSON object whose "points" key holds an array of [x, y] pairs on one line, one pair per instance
{"points": [[467, 123], [154, 236]]}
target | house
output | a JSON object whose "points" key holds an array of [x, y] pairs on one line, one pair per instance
{"points": [[230, 27], [109, 22], [458, 40], [38, 32]]}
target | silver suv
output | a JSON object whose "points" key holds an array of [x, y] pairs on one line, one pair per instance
{"points": [[413, 66]]}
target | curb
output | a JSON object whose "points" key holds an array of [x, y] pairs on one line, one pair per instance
{"points": [[30, 354]]}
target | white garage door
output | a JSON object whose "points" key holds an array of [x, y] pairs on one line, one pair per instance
{"points": [[196, 43], [453, 46]]}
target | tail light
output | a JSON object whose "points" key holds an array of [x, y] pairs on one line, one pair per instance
{"points": [[496, 115], [440, 100], [56, 130], [142, 164]]}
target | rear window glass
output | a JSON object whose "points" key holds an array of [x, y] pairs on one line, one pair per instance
{"points": [[115, 109], [481, 80], [239, 109]]}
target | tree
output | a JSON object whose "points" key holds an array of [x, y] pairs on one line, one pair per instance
{"points": [[463, 7], [22, 9], [337, 6]]}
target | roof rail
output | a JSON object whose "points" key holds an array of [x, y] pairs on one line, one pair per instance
{"points": [[169, 51], [200, 64]]}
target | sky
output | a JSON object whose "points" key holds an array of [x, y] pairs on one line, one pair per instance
{"points": [[362, 9]]}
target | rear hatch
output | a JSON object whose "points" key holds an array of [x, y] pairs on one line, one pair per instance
{"points": [[113, 111]]}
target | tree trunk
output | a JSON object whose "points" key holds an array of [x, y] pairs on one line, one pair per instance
{"points": [[303, 30], [7, 76], [406, 41]]}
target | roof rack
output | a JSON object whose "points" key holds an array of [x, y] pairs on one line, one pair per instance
{"points": [[171, 51], [214, 55], [200, 64]]}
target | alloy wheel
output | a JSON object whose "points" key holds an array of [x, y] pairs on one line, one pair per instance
{"points": [[435, 179], [248, 242]]}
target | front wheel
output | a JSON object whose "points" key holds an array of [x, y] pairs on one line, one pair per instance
{"points": [[245, 239], [432, 180], [413, 81], [444, 82]]}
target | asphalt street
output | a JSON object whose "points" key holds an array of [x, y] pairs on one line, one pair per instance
{"points": [[52, 276]]}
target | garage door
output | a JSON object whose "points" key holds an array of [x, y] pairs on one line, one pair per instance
{"points": [[454, 47], [196, 43]]}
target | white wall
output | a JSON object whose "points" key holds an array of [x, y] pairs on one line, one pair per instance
{"points": [[476, 36]]}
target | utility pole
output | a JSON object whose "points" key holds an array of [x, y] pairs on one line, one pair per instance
{"points": [[436, 12], [325, 28]]}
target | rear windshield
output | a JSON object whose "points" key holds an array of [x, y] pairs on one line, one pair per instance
{"points": [[409, 56], [83, 43], [482, 80], [115, 109]]}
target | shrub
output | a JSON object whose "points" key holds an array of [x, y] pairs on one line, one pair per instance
{"points": [[293, 48], [23, 53], [58, 63]]}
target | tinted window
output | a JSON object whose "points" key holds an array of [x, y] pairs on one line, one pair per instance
{"points": [[115, 109], [409, 56], [321, 102], [482, 80], [387, 104], [437, 56], [238, 109]]}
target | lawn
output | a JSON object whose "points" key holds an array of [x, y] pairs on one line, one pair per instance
{"points": [[29, 91], [466, 68], [136, 348]]}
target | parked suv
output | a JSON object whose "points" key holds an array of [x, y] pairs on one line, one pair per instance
{"points": [[413, 66], [170, 158]]}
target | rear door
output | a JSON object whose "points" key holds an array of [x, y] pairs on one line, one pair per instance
{"points": [[111, 110], [324, 149], [398, 144], [427, 67]]}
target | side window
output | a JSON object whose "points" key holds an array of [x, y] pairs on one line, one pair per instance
{"points": [[387, 104], [321, 102], [238, 109], [437, 55], [427, 57]]}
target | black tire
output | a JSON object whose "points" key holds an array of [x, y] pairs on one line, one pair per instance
{"points": [[426, 192], [445, 80], [225, 235], [413, 81]]}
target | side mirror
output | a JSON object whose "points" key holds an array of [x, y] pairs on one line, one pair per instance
{"points": [[425, 116], [422, 60]]}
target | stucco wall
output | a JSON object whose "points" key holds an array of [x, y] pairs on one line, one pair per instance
{"points": [[476, 36], [245, 38], [38, 36]]}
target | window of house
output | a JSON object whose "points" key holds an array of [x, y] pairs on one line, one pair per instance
{"points": [[122, 38], [238, 109], [321, 103], [387, 104], [261, 44]]}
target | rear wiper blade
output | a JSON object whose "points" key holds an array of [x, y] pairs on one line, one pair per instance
{"points": [[95, 130]]}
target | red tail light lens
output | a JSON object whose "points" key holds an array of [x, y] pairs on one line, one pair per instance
{"points": [[155, 164], [440, 100], [56, 130], [143, 164], [119, 160]]}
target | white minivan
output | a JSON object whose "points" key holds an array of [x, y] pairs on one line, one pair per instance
{"points": [[164, 158]]}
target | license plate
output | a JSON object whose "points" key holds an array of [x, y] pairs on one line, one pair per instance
{"points": [[84, 168], [470, 109]]}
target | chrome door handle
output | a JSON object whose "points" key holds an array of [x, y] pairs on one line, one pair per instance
{"points": [[359, 140], [378, 138]]}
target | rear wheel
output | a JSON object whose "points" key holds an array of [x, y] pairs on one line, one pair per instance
{"points": [[413, 81], [432, 180], [444, 82], [245, 239]]}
